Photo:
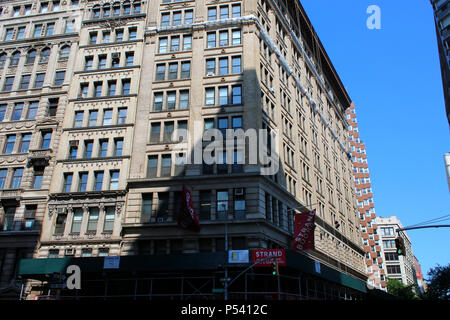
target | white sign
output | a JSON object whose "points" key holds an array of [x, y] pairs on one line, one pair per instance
{"points": [[238, 256], [111, 262]]}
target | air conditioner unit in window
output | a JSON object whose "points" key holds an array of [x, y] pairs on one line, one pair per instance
{"points": [[115, 55], [210, 74], [239, 192], [69, 252]]}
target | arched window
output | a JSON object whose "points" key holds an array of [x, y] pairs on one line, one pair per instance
{"points": [[45, 55], [3, 59], [64, 52], [31, 56], [106, 11], [15, 57]]}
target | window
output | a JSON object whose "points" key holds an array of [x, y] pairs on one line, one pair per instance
{"points": [[64, 53], [224, 12], [212, 14], [107, 117], [237, 94], [31, 56], [98, 89], [112, 84], [17, 111], [45, 55], [126, 86], [82, 184], [88, 145], [176, 18], [59, 77], [46, 139], [52, 107], [171, 100], [118, 147], [209, 96], [155, 132], [129, 59], [78, 122], [15, 57], [236, 10], [77, 220], [184, 99], [236, 64], [236, 37], [98, 181], [9, 145], [86, 253], [163, 45], [102, 61], [103, 150], [211, 40], [395, 269], [25, 142], [37, 30], [50, 28], [93, 114], [3, 59], [175, 43], [188, 16], [223, 66], [39, 80], [25, 82], [187, 42], [223, 38], [166, 165], [37, 177], [17, 178], [60, 225], [73, 149], [67, 184], [106, 36], [2, 112], [119, 35], [3, 173], [173, 70], [222, 202], [9, 81], [122, 116], [114, 180], [109, 219], [165, 19], [132, 33], [93, 220], [93, 38], [223, 96], [157, 101], [168, 131], [70, 27], [9, 34], [88, 63], [30, 215], [210, 67], [160, 72], [152, 166], [84, 89]]}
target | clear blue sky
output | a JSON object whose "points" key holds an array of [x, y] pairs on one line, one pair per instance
{"points": [[393, 76]]}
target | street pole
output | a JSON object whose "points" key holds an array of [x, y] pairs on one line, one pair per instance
{"points": [[226, 258]]}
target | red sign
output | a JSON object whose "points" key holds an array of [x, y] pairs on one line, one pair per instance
{"points": [[304, 231], [187, 218], [265, 257]]}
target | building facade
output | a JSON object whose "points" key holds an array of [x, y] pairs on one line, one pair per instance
{"points": [[442, 20], [37, 53], [364, 194], [397, 267], [146, 70]]}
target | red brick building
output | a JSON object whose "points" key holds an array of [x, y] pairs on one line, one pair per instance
{"points": [[361, 175]]}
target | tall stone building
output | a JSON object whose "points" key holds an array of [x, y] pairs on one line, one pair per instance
{"points": [[364, 195], [441, 10], [146, 70], [37, 51]]}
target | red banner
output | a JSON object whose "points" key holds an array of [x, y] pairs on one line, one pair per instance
{"points": [[187, 218], [265, 257], [304, 231]]}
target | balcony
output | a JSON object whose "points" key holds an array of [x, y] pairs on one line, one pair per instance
{"points": [[13, 195], [39, 157]]}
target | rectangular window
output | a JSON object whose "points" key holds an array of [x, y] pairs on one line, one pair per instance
{"points": [[188, 16], [46, 139], [236, 37], [212, 14], [107, 117], [166, 165], [93, 114], [184, 99], [93, 220], [59, 77], [129, 59], [237, 94], [73, 149], [77, 220], [168, 131], [88, 145], [222, 202], [176, 19], [171, 100], [17, 111], [211, 40], [50, 29], [67, 182], [163, 45], [132, 33], [175, 43], [119, 35], [118, 147], [157, 101], [25, 143], [112, 85], [2, 112], [223, 38], [32, 110], [126, 86], [122, 116], [108, 225], [155, 132], [236, 10], [20, 33], [165, 19], [236, 64], [173, 70], [223, 96], [78, 122], [9, 81], [103, 150], [60, 225], [82, 184], [114, 180], [98, 180], [224, 12], [9, 145], [223, 66], [152, 166], [98, 86], [93, 37], [37, 30], [3, 173], [102, 62], [160, 72], [147, 207], [209, 96], [39, 80], [17, 178], [187, 42], [210, 67]]}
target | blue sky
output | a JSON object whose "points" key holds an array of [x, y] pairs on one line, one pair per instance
{"points": [[393, 76]]}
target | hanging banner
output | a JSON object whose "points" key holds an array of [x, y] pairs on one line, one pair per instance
{"points": [[187, 218], [304, 231]]}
